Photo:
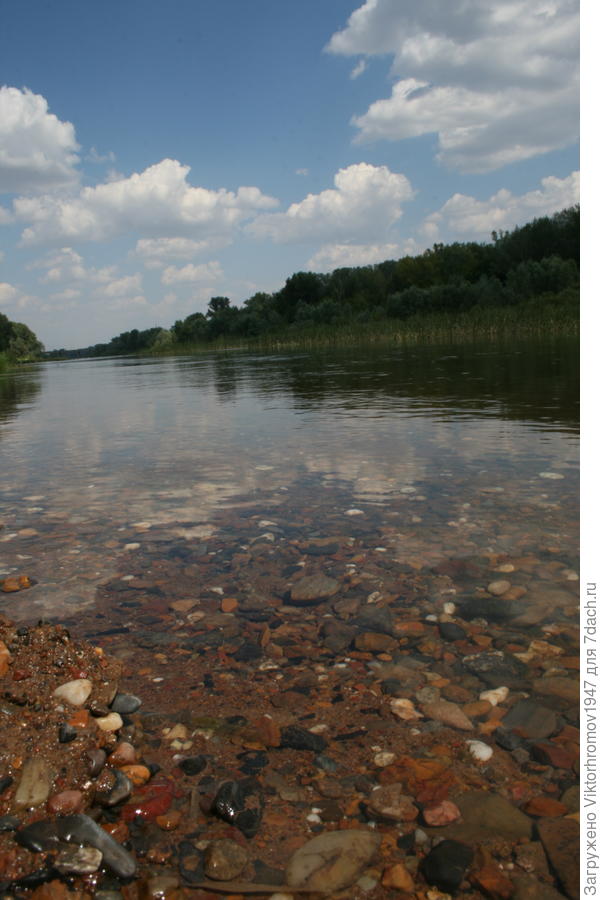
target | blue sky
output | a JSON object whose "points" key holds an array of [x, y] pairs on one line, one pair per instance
{"points": [[155, 154]]}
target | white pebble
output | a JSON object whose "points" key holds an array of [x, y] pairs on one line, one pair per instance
{"points": [[111, 722], [383, 759], [552, 475], [479, 750], [495, 696], [405, 709], [354, 512], [74, 692], [133, 546], [449, 608]]}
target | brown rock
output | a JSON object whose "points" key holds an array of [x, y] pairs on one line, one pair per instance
{"points": [[390, 803], [138, 775], [498, 588], [399, 878], [448, 714], [124, 754], [560, 838], [545, 806], [65, 803], [557, 686], [493, 882], [4, 658], [229, 604], [553, 755], [374, 642], [477, 709], [312, 588], [224, 859], [442, 814]]}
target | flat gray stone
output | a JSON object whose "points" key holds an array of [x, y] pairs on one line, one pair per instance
{"points": [[492, 812], [313, 588], [332, 861], [531, 720]]}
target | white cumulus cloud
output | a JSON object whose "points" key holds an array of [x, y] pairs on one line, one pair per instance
{"points": [[365, 201], [157, 202], [191, 274], [463, 217], [38, 152], [338, 256], [497, 82], [156, 251]]}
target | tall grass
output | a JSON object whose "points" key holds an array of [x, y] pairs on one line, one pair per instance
{"points": [[549, 315]]}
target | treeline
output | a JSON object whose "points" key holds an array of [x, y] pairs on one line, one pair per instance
{"points": [[537, 259], [18, 343]]}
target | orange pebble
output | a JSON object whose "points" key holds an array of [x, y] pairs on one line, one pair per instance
{"points": [[139, 775]]}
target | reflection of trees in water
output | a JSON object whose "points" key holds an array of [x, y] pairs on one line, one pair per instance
{"points": [[525, 380], [17, 391]]}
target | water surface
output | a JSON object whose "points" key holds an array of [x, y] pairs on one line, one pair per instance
{"points": [[439, 452]]}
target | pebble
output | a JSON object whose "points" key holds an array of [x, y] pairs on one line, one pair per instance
{"points": [[404, 709], [75, 692], [111, 722], [442, 814], [66, 802], [126, 704], [81, 829], [448, 714], [391, 803], [495, 696], [399, 878], [332, 861], [312, 588], [298, 738], [531, 719], [560, 838], [499, 587], [34, 785], [193, 765], [78, 860], [224, 860], [124, 754], [480, 751], [240, 803], [445, 866]]}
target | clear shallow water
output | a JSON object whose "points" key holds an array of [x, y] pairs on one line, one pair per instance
{"points": [[442, 447]]}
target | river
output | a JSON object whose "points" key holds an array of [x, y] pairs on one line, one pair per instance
{"points": [[421, 455]]}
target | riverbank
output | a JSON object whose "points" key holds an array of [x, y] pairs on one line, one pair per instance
{"points": [[550, 315], [419, 721]]}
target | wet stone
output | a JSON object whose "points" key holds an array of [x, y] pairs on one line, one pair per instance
{"points": [[531, 720], [448, 714], [34, 785], [332, 861], [81, 829], [5, 783], [297, 738], [75, 692], [9, 823], [496, 668], [66, 733], [240, 804], [560, 838], [224, 860], [391, 804], [374, 618], [313, 588], [125, 704], [445, 866], [78, 860], [450, 631], [492, 812], [375, 642], [39, 836], [193, 765]]}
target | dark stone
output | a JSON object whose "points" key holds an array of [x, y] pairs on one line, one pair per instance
{"points": [[9, 823], [494, 609], [96, 759], [450, 631], [240, 803], [506, 739], [248, 652], [66, 733], [531, 720], [494, 667], [374, 618], [191, 863], [337, 636], [39, 836], [325, 763], [267, 874], [297, 738], [253, 761], [445, 865], [5, 783], [193, 765], [125, 703], [80, 829]]}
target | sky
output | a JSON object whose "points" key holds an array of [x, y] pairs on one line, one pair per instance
{"points": [[154, 154]]}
